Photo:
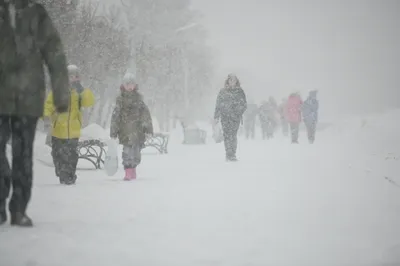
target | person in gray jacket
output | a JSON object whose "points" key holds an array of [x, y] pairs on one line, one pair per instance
{"points": [[229, 109], [28, 38]]}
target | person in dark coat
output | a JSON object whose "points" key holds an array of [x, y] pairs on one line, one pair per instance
{"points": [[250, 120], [310, 115], [130, 123], [229, 109], [267, 113], [28, 39]]}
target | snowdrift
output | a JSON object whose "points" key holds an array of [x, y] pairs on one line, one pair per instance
{"points": [[377, 138], [94, 131], [375, 133]]}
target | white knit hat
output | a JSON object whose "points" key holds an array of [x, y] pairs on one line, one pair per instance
{"points": [[129, 78], [73, 70]]}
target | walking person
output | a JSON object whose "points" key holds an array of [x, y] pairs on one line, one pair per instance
{"points": [[22, 90], [66, 127], [250, 120], [268, 118], [229, 109], [130, 123], [264, 122], [310, 115], [293, 115]]}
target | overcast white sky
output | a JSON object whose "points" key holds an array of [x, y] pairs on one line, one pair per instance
{"points": [[348, 49]]}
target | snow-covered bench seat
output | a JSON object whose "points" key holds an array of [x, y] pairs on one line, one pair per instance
{"points": [[194, 136]]}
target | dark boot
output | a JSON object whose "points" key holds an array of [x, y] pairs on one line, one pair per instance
{"points": [[231, 158], [22, 220], [71, 180]]}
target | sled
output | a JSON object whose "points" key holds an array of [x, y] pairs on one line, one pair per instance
{"points": [[111, 160]]}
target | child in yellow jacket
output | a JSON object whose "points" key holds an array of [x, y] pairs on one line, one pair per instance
{"points": [[66, 128]]}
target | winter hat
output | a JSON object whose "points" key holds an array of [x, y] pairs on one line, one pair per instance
{"points": [[129, 78], [232, 76], [73, 70]]}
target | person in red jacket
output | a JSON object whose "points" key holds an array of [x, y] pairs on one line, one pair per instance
{"points": [[293, 115]]}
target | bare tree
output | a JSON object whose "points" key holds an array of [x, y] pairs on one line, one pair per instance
{"points": [[98, 45], [169, 49], [161, 41]]}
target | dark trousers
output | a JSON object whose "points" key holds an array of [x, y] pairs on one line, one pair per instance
{"points": [[250, 129], [65, 158], [311, 129], [22, 130], [230, 129], [131, 156], [294, 129], [267, 128]]}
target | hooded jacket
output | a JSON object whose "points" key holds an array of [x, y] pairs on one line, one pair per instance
{"points": [[68, 125], [231, 104], [293, 109], [131, 119], [267, 112], [310, 110]]}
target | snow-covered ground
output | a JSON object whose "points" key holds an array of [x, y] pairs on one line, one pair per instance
{"points": [[326, 204]]}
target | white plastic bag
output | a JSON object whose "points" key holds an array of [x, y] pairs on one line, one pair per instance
{"points": [[111, 160], [218, 135]]}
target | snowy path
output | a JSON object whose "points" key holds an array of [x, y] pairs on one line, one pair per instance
{"points": [[280, 205]]}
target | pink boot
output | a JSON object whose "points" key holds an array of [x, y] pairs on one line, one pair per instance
{"points": [[128, 174]]}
